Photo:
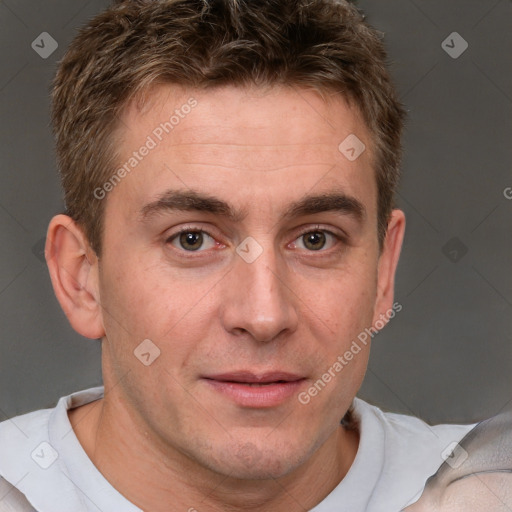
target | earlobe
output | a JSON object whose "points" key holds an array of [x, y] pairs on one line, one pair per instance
{"points": [[388, 263], [73, 268]]}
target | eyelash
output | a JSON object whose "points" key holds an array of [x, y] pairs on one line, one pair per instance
{"points": [[191, 229]]}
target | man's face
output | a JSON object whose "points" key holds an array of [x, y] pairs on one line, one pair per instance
{"points": [[222, 309]]}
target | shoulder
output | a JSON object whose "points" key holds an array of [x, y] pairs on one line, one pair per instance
{"points": [[24, 424], [20, 436], [412, 450], [36, 450], [12, 500], [410, 429], [19, 439]]}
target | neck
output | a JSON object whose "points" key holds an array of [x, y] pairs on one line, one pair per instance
{"points": [[116, 445]]}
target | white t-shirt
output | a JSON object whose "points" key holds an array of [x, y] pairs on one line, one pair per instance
{"points": [[41, 457]]}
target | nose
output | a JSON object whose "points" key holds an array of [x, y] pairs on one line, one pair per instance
{"points": [[259, 299]]}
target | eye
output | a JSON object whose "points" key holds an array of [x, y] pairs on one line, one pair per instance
{"points": [[316, 240], [191, 240]]}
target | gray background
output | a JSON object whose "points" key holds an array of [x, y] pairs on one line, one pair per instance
{"points": [[447, 356]]}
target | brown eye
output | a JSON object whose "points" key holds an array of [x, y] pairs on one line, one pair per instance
{"points": [[314, 240], [319, 240], [191, 240]]}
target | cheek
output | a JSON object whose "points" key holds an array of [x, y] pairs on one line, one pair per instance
{"points": [[150, 302], [344, 302], [127, 298], [342, 310], [142, 297]]}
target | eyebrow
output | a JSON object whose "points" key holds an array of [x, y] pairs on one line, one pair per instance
{"points": [[191, 200]]}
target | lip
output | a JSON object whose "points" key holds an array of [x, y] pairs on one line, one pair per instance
{"points": [[251, 377], [249, 389]]}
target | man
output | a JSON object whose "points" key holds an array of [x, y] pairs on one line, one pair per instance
{"points": [[230, 235]]}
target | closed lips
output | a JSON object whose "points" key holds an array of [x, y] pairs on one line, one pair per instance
{"points": [[252, 379]]}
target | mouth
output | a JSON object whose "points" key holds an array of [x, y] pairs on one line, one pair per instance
{"points": [[253, 390]]}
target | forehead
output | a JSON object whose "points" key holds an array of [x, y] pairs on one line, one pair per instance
{"points": [[239, 143], [251, 111]]}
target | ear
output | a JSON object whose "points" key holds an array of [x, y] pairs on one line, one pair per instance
{"points": [[73, 267], [388, 262]]}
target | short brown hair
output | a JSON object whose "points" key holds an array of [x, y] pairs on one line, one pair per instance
{"points": [[321, 44]]}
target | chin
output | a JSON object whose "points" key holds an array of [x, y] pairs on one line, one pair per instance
{"points": [[250, 461]]}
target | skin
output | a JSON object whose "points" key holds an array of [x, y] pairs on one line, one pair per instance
{"points": [[293, 309], [481, 482], [482, 492]]}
